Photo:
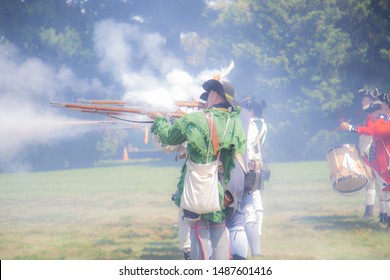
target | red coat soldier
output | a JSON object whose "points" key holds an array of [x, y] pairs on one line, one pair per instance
{"points": [[379, 152], [370, 105]]}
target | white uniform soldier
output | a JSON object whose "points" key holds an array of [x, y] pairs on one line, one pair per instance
{"points": [[256, 138]]}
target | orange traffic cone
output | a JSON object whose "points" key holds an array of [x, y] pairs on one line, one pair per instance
{"points": [[125, 154]]}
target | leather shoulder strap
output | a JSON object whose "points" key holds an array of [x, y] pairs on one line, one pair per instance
{"points": [[213, 132], [240, 160]]}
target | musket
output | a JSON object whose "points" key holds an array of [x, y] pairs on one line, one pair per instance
{"points": [[192, 103], [108, 110], [104, 102]]}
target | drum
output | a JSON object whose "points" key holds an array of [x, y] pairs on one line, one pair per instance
{"points": [[347, 170]]}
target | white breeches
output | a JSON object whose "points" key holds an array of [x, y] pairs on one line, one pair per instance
{"points": [[370, 192], [184, 229]]}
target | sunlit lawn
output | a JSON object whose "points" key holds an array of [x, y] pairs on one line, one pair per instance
{"points": [[125, 212]]}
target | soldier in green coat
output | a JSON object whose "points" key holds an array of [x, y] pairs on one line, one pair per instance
{"points": [[194, 129]]}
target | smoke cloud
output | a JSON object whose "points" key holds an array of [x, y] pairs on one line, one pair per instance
{"points": [[149, 72], [27, 85], [136, 61]]}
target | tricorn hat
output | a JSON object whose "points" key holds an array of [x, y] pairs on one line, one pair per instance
{"points": [[223, 88], [376, 98], [384, 97], [371, 94], [250, 103]]}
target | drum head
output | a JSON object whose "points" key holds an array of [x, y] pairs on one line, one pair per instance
{"points": [[349, 184], [342, 147]]}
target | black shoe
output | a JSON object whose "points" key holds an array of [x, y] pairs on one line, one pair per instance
{"points": [[388, 224], [369, 212], [238, 257], [383, 218], [187, 255]]}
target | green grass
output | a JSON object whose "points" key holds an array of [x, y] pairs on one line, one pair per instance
{"points": [[125, 212]]}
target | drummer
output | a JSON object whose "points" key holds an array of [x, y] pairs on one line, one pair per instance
{"points": [[371, 105], [379, 153]]}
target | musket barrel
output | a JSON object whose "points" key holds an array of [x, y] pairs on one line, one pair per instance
{"points": [[114, 110], [124, 102], [103, 102], [190, 104]]}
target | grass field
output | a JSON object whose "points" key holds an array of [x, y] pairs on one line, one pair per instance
{"points": [[125, 212]]}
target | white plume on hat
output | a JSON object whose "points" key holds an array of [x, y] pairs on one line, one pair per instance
{"points": [[224, 72]]}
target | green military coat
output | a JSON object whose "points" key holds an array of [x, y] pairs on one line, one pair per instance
{"points": [[193, 129]]}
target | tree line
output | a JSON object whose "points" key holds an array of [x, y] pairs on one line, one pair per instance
{"points": [[306, 58]]}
